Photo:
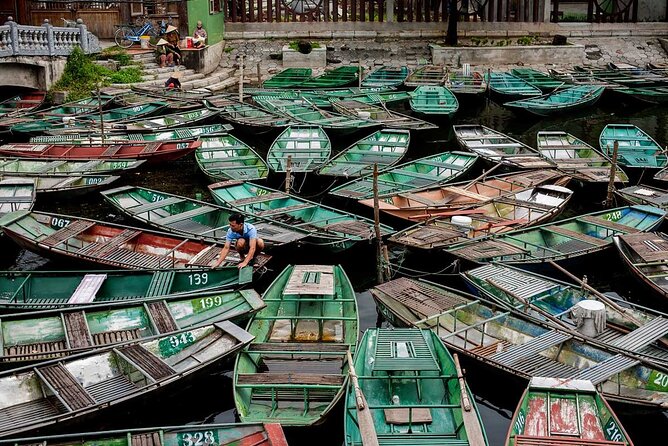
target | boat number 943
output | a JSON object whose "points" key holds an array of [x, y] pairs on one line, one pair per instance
{"points": [[182, 339], [198, 279], [59, 222], [197, 438]]}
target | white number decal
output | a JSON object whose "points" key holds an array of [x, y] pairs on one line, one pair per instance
{"points": [[210, 302], [613, 433], [182, 145], [59, 222], [198, 279], [661, 379], [183, 338], [613, 216], [199, 439], [519, 423]]}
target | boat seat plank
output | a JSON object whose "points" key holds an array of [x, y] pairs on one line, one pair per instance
{"points": [[150, 364], [311, 280], [140, 209], [77, 330], [146, 439], [87, 289], [166, 221], [351, 227], [258, 199], [528, 204], [576, 235], [205, 256], [161, 283], [466, 193], [295, 379], [31, 411], [152, 147], [406, 415], [66, 386], [37, 351], [161, 316], [298, 347], [536, 345], [73, 229], [137, 259], [387, 360], [598, 221], [103, 248], [490, 248], [526, 440], [111, 150], [605, 369], [285, 210], [643, 336]]}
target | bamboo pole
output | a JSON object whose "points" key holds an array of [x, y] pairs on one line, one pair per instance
{"points": [[470, 418], [364, 418], [99, 107], [288, 175], [613, 171], [241, 78], [259, 76], [376, 226]]}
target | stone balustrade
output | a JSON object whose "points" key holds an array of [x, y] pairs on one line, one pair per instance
{"points": [[45, 40]]}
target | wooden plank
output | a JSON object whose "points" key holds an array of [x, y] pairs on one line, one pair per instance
{"points": [[290, 378], [65, 386], [73, 229], [87, 289], [298, 347], [76, 326], [150, 364], [161, 316], [598, 221], [406, 415], [576, 235], [311, 280]]}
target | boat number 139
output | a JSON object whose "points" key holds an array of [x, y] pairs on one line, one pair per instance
{"points": [[198, 279], [198, 439]]}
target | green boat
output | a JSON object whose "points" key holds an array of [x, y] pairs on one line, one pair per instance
{"points": [[650, 95], [289, 77], [42, 335], [225, 157], [427, 75], [434, 100], [22, 104], [236, 434], [246, 115], [296, 370], [166, 122], [379, 113], [386, 76], [646, 256], [467, 85], [197, 219], [564, 240], [338, 77], [429, 171], [509, 87], [65, 186], [413, 390], [74, 108], [16, 194], [636, 148], [35, 290], [94, 381], [329, 227], [311, 97], [561, 101], [385, 148], [577, 158], [299, 149], [181, 134], [44, 167], [560, 412], [538, 79]]}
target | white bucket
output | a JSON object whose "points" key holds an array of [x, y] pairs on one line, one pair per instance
{"points": [[143, 40], [461, 220]]}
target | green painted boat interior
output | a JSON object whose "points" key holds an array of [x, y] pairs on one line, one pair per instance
{"points": [[295, 370], [289, 77], [636, 147], [338, 77], [538, 78], [226, 157], [434, 100], [507, 84], [386, 76], [306, 147]]}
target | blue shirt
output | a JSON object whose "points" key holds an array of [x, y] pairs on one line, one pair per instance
{"points": [[249, 233]]}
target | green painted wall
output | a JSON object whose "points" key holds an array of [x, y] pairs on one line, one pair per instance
{"points": [[214, 24]]}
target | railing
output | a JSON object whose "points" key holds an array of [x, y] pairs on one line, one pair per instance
{"points": [[45, 40]]}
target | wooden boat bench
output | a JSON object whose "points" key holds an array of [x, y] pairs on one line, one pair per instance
{"points": [[111, 150], [605, 369], [290, 380], [161, 283], [87, 289], [205, 257], [588, 239], [37, 351], [611, 225], [285, 210], [77, 332], [102, 249], [146, 207], [72, 230], [520, 352], [201, 210], [299, 347], [526, 440], [116, 336], [161, 317], [432, 440], [146, 439], [258, 199], [65, 386], [643, 336], [145, 361], [353, 227], [151, 147], [143, 260]]}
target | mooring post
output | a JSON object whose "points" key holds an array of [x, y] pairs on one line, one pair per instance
{"points": [[288, 174], [259, 76], [380, 258], [613, 171], [359, 74], [99, 107], [241, 78]]}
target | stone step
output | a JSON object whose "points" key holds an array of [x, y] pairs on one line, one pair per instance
{"points": [[158, 70], [144, 56], [223, 85], [165, 74]]}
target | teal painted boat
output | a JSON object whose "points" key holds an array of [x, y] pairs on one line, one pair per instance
{"points": [[39, 167], [338, 77], [226, 157], [296, 371], [496, 147], [560, 412], [385, 148], [538, 79], [166, 122], [235, 434], [74, 108], [246, 115], [181, 134], [386, 76], [303, 148], [42, 335], [509, 87], [577, 158], [413, 392], [434, 100], [566, 239], [287, 78], [419, 174], [296, 96], [39, 290], [379, 113], [467, 85], [197, 219], [16, 194], [427, 75], [561, 101], [648, 95], [65, 186], [636, 148], [329, 227], [94, 381]]}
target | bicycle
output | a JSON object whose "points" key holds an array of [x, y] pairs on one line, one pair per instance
{"points": [[127, 35]]}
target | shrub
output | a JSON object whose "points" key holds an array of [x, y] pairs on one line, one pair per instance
{"points": [[118, 54], [80, 77]]}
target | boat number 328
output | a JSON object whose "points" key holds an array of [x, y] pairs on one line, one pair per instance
{"points": [[197, 438]]}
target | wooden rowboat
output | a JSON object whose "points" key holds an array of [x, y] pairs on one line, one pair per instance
{"points": [[89, 382], [496, 147], [44, 167], [410, 383], [225, 157], [42, 335], [562, 101], [355, 108], [434, 100], [472, 85], [305, 148], [296, 370], [419, 174], [196, 219], [289, 77], [538, 79], [65, 186], [427, 75], [236, 434], [558, 412], [39, 290], [385, 148], [16, 194], [509, 87], [166, 122], [117, 246], [509, 341], [386, 76], [644, 194], [22, 104], [646, 255], [648, 95], [577, 158], [338, 77], [246, 115], [566, 239], [154, 151], [636, 148]]}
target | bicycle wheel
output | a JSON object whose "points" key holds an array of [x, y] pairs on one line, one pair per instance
{"points": [[121, 37], [154, 37]]}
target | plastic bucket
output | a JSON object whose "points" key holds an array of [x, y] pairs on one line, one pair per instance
{"points": [[143, 40]]}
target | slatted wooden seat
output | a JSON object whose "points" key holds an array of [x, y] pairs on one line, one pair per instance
{"points": [[77, 330], [285, 210], [115, 337], [75, 228], [533, 347], [605, 369], [298, 347], [166, 221], [353, 227], [87, 289], [36, 351], [146, 439], [258, 199], [311, 279], [419, 438], [598, 221], [101, 249], [206, 256], [161, 317], [644, 335], [293, 379], [65, 386], [146, 207], [576, 235], [526, 440], [152, 147], [161, 283], [143, 260], [147, 362], [112, 150]]}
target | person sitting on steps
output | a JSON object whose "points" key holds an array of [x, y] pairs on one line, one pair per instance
{"points": [[168, 55]]}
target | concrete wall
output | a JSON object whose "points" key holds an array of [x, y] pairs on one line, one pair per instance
{"points": [[31, 72], [214, 24], [535, 54], [204, 60], [651, 10]]}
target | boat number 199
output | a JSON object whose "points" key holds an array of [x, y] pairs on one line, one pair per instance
{"points": [[198, 439], [198, 279]]}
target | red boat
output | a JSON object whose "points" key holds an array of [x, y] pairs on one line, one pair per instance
{"points": [[150, 151]]}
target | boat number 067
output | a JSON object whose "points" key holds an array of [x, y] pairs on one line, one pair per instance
{"points": [[59, 222], [183, 338], [198, 439], [198, 279]]}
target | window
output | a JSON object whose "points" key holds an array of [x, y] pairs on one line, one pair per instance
{"points": [[136, 8], [214, 6]]}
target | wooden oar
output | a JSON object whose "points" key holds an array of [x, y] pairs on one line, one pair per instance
{"points": [[474, 431], [364, 418]]}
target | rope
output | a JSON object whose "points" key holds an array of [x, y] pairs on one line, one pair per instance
{"points": [[418, 273]]}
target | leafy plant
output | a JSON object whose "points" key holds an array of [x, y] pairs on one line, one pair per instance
{"points": [[229, 49], [80, 77], [295, 45], [118, 54], [126, 76]]}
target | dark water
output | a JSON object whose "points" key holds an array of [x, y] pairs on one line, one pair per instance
{"points": [[209, 397]]}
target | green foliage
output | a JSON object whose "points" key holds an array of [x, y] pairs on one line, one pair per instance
{"points": [[116, 53], [81, 76], [527, 40], [295, 45], [573, 17], [229, 49], [126, 76]]}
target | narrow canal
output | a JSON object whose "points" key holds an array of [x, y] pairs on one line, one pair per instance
{"points": [[209, 398]]}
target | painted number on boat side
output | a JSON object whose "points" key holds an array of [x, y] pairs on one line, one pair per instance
{"points": [[174, 344], [519, 422], [657, 381], [198, 279], [612, 431], [181, 145], [59, 222], [613, 216], [197, 438], [93, 180]]}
